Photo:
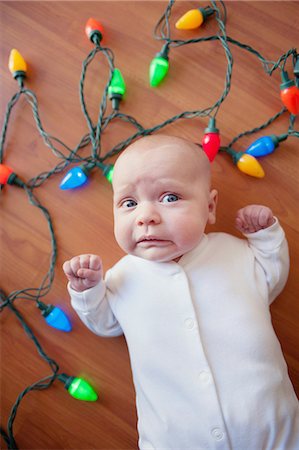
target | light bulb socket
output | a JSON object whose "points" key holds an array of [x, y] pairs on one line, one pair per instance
{"points": [[45, 309], [296, 68], [87, 168], [164, 52], [65, 379], [19, 74], [3, 299], [280, 138], [277, 139], [286, 82], [14, 179], [95, 36], [116, 99], [107, 169], [212, 126], [206, 12], [236, 156]]}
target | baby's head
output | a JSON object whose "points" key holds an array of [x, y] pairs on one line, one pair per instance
{"points": [[162, 197]]}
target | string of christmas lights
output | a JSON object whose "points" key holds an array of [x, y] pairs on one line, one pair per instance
{"points": [[77, 176]]}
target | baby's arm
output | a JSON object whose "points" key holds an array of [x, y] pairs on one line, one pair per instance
{"points": [[89, 296], [267, 241]]}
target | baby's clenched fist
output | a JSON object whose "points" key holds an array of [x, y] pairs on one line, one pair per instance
{"points": [[253, 218], [83, 272]]}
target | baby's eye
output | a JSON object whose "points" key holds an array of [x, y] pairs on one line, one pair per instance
{"points": [[168, 198], [129, 204]]}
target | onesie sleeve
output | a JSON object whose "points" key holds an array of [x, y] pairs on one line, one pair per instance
{"points": [[93, 308], [271, 253]]}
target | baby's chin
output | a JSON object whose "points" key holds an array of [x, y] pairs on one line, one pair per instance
{"points": [[155, 257]]}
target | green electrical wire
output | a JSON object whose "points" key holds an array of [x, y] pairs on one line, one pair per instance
{"points": [[41, 384]]}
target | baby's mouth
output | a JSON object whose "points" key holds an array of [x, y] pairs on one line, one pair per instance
{"points": [[152, 240], [148, 239]]}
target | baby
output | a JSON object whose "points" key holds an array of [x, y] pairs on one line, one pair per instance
{"points": [[207, 367]]}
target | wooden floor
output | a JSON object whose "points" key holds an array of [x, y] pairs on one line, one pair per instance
{"points": [[50, 36]]}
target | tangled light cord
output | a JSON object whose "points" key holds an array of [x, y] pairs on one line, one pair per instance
{"points": [[114, 90]]}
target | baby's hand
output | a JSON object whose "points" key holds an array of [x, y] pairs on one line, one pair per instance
{"points": [[83, 272], [253, 218]]}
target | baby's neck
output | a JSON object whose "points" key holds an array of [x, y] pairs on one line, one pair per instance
{"points": [[177, 259]]}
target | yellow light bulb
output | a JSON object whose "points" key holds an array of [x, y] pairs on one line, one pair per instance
{"points": [[190, 20], [249, 165], [17, 64]]}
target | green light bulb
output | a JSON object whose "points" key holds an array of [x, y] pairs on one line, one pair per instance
{"points": [[159, 67], [117, 88], [117, 84], [108, 172], [78, 388], [158, 70], [82, 390]]}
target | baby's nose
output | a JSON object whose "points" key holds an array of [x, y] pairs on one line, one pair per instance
{"points": [[148, 214]]}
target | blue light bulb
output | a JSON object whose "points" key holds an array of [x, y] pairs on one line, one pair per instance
{"points": [[74, 178], [265, 145], [56, 318]]}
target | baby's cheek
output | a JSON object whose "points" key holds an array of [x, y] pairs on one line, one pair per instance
{"points": [[123, 237], [188, 237]]}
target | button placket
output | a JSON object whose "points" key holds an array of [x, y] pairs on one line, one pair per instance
{"points": [[204, 384]]}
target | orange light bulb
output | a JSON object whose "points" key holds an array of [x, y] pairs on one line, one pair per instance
{"points": [[8, 176], [94, 30], [194, 18], [17, 64], [249, 165], [5, 173]]}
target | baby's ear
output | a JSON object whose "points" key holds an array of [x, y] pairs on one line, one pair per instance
{"points": [[212, 206]]}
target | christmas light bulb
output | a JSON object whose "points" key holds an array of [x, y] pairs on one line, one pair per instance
{"points": [[117, 84], [108, 172], [78, 388], [73, 179], [194, 18], [55, 317], [5, 173], [289, 94], [16, 64], [265, 145], [76, 177], [159, 67], [249, 165], [117, 88], [7, 176], [94, 30], [211, 140]]}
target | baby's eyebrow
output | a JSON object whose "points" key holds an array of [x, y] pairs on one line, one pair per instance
{"points": [[165, 184], [124, 187], [119, 196]]}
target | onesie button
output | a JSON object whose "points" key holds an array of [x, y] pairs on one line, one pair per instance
{"points": [[205, 377], [189, 323], [217, 434]]}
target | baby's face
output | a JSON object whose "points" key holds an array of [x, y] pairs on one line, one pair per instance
{"points": [[162, 198]]}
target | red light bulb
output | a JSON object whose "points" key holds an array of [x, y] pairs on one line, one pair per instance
{"points": [[211, 140], [5, 173], [7, 176], [289, 94], [94, 30]]}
